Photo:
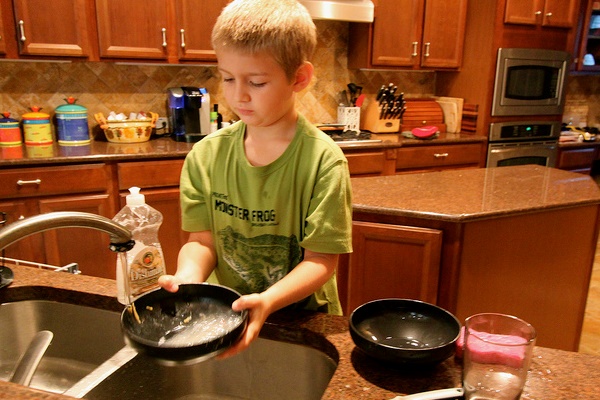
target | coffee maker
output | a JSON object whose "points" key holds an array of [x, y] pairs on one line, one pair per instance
{"points": [[189, 113]]}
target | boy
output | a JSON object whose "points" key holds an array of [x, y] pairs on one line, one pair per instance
{"points": [[267, 201]]}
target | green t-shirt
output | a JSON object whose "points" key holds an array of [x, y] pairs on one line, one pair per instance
{"points": [[263, 217]]}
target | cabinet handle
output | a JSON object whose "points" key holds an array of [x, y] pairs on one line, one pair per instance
{"points": [[415, 49], [22, 30], [440, 155], [427, 49], [538, 13], [21, 182], [182, 38], [548, 14], [164, 37]]}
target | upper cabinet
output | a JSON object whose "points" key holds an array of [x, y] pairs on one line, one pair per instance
{"points": [[133, 28], [410, 33], [555, 13], [160, 29], [587, 43], [53, 28]]}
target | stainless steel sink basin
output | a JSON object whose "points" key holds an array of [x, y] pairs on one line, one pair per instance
{"points": [[88, 358], [267, 370], [84, 338]]}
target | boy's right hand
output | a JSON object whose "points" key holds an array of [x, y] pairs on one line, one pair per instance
{"points": [[169, 282]]}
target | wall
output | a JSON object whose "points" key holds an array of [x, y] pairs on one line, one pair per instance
{"points": [[103, 86], [583, 100]]}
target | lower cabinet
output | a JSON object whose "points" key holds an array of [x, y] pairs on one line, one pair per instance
{"points": [[577, 159], [390, 261]]}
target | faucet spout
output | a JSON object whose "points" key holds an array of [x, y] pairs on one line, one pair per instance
{"points": [[120, 237]]}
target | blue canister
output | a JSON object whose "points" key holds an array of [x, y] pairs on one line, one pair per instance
{"points": [[72, 123]]}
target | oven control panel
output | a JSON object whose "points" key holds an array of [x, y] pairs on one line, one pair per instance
{"points": [[524, 130]]}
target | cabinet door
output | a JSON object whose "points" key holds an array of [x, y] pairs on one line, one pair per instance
{"points": [[443, 33], [195, 28], [397, 32], [29, 248], [56, 28], [392, 261], [85, 246], [133, 28], [2, 35], [525, 12], [560, 13]]}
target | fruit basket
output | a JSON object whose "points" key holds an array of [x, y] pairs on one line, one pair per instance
{"points": [[129, 130]]}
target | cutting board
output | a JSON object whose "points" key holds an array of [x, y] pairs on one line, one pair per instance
{"points": [[452, 110]]}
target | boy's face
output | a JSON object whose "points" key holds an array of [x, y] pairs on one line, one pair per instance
{"points": [[256, 87]]}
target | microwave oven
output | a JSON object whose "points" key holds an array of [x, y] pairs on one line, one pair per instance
{"points": [[530, 82]]}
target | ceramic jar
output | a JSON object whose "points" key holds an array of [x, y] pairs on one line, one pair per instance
{"points": [[36, 127], [72, 123], [10, 133]]}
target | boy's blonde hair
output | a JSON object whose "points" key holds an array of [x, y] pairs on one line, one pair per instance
{"points": [[283, 28]]}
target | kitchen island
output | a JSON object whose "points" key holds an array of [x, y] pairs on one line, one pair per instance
{"points": [[518, 240], [555, 374]]}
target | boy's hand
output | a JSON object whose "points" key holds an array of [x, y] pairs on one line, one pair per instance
{"points": [[258, 311], [169, 282]]}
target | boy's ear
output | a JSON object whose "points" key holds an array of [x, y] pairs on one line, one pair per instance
{"points": [[303, 76]]}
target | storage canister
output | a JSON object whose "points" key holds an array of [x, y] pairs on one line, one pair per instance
{"points": [[10, 133], [72, 124], [36, 127]]}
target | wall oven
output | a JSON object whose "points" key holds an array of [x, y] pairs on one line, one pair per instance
{"points": [[530, 82], [523, 142]]}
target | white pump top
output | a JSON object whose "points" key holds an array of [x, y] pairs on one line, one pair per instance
{"points": [[135, 198]]}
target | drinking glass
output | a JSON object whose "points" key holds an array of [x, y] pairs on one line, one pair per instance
{"points": [[497, 353]]}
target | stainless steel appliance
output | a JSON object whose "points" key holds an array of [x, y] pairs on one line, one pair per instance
{"points": [[530, 82], [189, 113], [523, 142]]}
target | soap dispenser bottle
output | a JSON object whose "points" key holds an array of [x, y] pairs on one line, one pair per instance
{"points": [[138, 270]]}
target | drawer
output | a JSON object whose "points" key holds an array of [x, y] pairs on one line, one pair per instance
{"points": [[30, 182], [365, 163], [577, 158], [438, 156], [149, 174]]}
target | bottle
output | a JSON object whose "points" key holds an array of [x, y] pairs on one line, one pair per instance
{"points": [[213, 122], [219, 116], [144, 264]]}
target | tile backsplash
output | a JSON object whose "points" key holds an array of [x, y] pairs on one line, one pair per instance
{"points": [[106, 86]]}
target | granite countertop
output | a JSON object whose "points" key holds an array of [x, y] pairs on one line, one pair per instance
{"points": [[555, 374], [165, 147], [473, 194]]}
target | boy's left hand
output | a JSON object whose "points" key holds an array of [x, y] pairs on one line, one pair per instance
{"points": [[258, 311]]}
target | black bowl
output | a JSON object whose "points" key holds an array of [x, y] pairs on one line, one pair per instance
{"points": [[404, 332], [191, 325]]}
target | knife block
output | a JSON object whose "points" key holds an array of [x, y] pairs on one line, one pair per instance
{"points": [[372, 122]]}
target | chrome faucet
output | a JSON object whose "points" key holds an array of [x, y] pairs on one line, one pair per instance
{"points": [[120, 237]]}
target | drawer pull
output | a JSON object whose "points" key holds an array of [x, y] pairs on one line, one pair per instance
{"points": [[21, 182], [440, 155]]}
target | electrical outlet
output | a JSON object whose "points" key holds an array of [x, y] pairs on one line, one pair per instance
{"points": [[162, 125]]}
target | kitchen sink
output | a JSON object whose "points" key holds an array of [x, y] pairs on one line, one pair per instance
{"points": [[269, 369], [89, 359], [84, 338]]}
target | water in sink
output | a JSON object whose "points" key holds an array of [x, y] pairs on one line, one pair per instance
{"points": [[84, 338]]}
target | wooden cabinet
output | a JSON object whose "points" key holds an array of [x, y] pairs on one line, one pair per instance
{"points": [[31, 191], [577, 159], [370, 162], [554, 13], [418, 158], [390, 261], [159, 181], [587, 38], [410, 33], [53, 28], [159, 29]]}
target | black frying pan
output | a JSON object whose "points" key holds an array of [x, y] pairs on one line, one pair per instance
{"points": [[191, 325]]}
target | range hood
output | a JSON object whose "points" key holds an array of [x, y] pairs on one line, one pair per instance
{"points": [[340, 10]]}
